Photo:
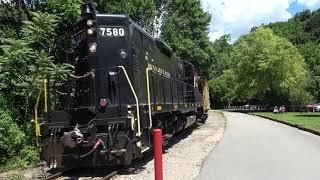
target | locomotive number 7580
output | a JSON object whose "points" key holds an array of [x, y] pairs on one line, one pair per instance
{"points": [[112, 31]]}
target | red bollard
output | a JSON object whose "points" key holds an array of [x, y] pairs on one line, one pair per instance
{"points": [[157, 150]]}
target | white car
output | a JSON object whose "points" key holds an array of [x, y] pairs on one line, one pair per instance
{"points": [[317, 107]]}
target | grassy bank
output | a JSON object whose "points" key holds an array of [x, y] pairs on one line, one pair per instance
{"points": [[306, 120]]}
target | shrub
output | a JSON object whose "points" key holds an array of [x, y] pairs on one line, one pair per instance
{"points": [[12, 138], [14, 148]]}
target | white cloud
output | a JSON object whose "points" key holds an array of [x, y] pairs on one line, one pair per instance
{"points": [[215, 35], [312, 4], [237, 17]]}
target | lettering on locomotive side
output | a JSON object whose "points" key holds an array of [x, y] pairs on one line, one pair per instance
{"points": [[159, 71]]}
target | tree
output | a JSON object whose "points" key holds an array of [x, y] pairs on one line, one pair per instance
{"points": [[27, 56], [11, 17], [313, 25], [222, 52], [268, 63], [142, 12], [14, 146], [222, 88], [303, 31], [67, 13], [185, 29], [26, 61], [311, 53], [293, 30], [221, 76]]}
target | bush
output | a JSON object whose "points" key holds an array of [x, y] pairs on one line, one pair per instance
{"points": [[12, 138], [14, 148]]}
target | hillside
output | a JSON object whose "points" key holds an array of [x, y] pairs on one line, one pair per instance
{"points": [[303, 30]]}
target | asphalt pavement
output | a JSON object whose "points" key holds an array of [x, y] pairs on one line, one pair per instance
{"points": [[255, 148]]}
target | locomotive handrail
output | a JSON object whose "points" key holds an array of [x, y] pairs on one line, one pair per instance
{"points": [[135, 96], [132, 119], [36, 119], [148, 93], [45, 95]]}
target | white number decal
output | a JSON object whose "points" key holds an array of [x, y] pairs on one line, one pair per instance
{"points": [[121, 32], [103, 31], [109, 32], [115, 32], [112, 31]]}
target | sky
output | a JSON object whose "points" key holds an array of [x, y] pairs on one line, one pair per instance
{"points": [[237, 17]]}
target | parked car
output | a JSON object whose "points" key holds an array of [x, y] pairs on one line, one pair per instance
{"points": [[317, 108], [313, 107]]}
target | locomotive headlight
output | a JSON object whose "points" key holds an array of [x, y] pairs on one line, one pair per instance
{"points": [[90, 31], [123, 54], [92, 47], [90, 22]]}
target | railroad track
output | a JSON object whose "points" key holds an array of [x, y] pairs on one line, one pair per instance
{"points": [[82, 174]]}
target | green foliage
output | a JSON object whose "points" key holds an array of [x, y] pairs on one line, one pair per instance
{"points": [[25, 61], [68, 11], [222, 77], [263, 64], [40, 32], [311, 52], [185, 29], [223, 88], [303, 31], [269, 63], [14, 148], [312, 26], [292, 30], [222, 52], [11, 17], [140, 11], [12, 139]]}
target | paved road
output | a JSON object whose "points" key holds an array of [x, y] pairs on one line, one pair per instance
{"points": [[254, 148]]}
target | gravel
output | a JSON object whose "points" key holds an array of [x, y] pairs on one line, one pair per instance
{"points": [[184, 159], [26, 173]]}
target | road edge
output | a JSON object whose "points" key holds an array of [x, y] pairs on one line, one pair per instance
{"points": [[217, 143]]}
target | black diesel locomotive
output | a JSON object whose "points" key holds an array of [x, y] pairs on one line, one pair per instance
{"points": [[126, 83]]}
